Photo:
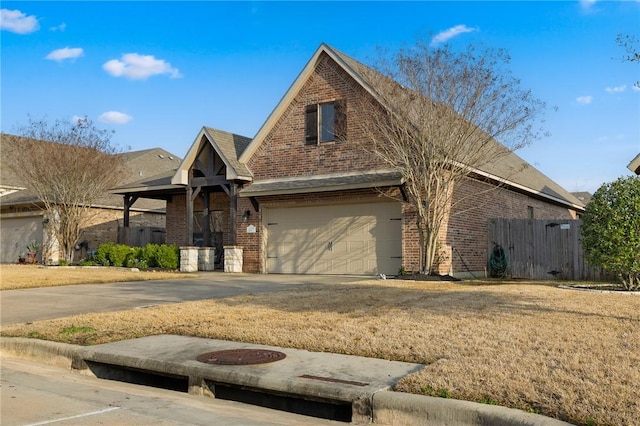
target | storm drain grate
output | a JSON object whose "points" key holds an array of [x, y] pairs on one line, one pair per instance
{"points": [[241, 357]]}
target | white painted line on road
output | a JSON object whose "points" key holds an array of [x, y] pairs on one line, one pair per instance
{"points": [[79, 416]]}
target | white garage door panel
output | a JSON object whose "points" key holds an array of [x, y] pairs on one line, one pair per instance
{"points": [[16, 234], [344, 239]]}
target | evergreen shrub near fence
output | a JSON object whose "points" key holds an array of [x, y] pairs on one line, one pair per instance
{"points": [[150, 256]]}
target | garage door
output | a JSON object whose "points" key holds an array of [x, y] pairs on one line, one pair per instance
{"points": [[354, 239], [16, 233]]}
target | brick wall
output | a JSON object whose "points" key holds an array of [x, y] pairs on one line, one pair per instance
{"points": [[177, 220], [283, 153]]}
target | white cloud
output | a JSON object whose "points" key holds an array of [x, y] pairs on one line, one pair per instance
{"points": [[65, 53], [587, 4], [617, 89], [115, 117], [60, 27], [77, 119], [139, 67], [584, 100], [446, 35], [18, 22]]}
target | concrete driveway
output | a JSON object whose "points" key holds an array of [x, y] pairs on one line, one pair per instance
{"points": [[28, 305]]}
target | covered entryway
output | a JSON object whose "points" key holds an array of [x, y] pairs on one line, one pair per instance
{"points": [[351, 239]]}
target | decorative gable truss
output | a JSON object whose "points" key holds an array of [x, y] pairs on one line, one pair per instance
{"points": [[211, 166]]}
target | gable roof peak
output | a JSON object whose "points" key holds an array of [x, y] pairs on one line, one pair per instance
{"points": [[227, 145]]}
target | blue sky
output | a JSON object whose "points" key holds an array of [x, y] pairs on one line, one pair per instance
{"points": [[156, 72]]}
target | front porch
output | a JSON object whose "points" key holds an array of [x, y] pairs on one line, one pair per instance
{"points": [[202, 202]]}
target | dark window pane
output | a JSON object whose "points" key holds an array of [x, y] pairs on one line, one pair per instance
{"points": [[328, 116], [311, 125]]}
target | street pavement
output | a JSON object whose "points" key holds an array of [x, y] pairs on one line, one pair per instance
{"points": [[28, 305], [37, 394]]}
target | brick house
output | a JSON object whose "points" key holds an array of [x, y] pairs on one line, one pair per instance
{"points": [[22, 218], [298, 199]]}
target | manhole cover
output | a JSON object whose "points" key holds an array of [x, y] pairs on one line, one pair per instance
{"points": [[241, 357]]}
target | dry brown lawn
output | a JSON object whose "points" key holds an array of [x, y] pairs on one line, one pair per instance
{"points": [[567, 354], [29, 276]]}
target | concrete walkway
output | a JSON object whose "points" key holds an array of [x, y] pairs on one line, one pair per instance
{"points": [[341, 387]]}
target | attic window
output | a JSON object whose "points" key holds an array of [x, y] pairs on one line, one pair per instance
{"points": [[325, 122]]}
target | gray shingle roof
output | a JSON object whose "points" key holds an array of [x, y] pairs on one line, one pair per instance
{"points": [[139, 165], [511, 168], [323, 183], [232, 146]]}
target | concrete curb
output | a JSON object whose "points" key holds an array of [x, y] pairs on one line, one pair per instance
{"points": [[396, 408], [56, 354], [388, 408]]}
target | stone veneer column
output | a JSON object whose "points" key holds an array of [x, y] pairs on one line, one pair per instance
{"points": [[188, 259], [206, 258], [232, 259]]}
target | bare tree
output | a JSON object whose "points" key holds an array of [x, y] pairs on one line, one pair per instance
{"points": [[436, 116], [68, 167], [632, 49]]}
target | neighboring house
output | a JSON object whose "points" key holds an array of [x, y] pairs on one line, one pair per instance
{"points": [[634, 165], [583, 196], [297, 199], [23, 220]]}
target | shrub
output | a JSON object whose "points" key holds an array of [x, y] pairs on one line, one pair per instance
{"points": [[101, 256], [151, 255], [118, 254], [168, 257], [110, 254], [611, 230], [132, 258]]}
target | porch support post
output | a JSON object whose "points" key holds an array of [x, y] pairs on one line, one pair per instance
{"points": [[233, 212], [206, 227], [129, 200], [189, 201]]}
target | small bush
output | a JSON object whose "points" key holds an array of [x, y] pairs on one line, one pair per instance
{"points": [[101, 256], [149, 256], [168, 257], [132, 258], [119, 254]]}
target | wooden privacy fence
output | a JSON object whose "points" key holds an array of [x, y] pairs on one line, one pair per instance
{"points": [[542, 249], [140, 236]]}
